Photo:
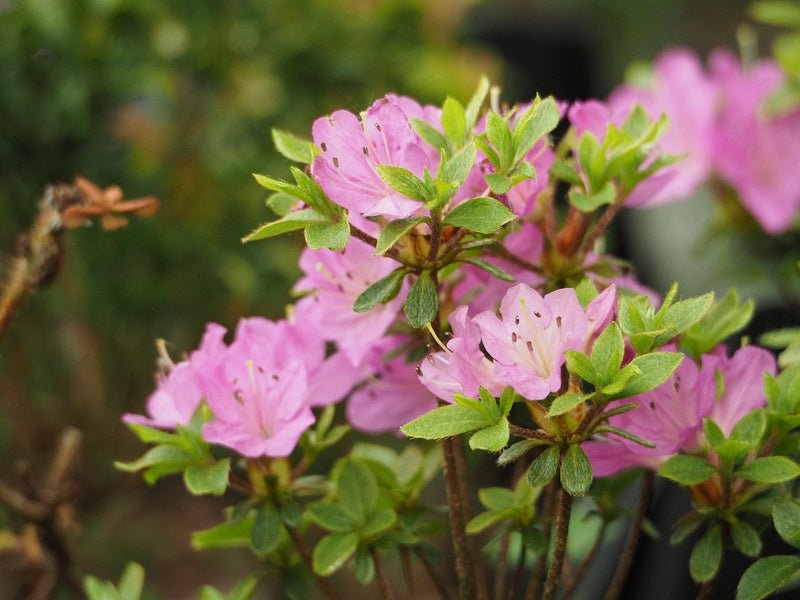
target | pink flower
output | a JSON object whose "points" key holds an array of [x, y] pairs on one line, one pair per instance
{"points": [[528, 343], [758, 155], [668, 416], [743, 375], [173, 402], [599, 313], [258, 407], [671, 416], [352, 149], [392, 396], [464, 368], [335, 280], [684, 93]]}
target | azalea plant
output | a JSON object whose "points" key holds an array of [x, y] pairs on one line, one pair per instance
{"points": [[457, 292]]}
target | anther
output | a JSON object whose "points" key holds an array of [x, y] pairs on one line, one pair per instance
{"points": [[335, 162]]}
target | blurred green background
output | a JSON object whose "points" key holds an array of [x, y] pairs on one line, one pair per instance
{"points": [[177, 99]]}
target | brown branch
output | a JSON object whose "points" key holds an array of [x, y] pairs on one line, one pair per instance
{"points": [[408, 573], [548, 508], [602, 224], [500, 569], [465, 571], [561, 530], [383, 583], [532, 434], [519, 571], [436, 579], [632, 541], [569, 591], [462, 470]]}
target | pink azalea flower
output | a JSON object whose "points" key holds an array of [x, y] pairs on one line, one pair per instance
{"points": [[335, 280], [173, 402], [392, 396], [684, 93], [743, 374], [758, 155], [599, 314], [352, 149], [669, 416], [528, 343], [258, 407], [464, 368]]}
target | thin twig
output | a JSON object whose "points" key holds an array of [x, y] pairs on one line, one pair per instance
{"points": [[569, 591], [632, 542], [324, 585], [436, 579], [560, 532], [519, 571], [383, 583], [408, 573], [465, 571], [500, 569], [602, 224], [548, 508], [532, 434], [462, 470]]}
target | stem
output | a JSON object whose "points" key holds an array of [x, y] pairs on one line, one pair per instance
{"points": [[500, 571], [408, 574], [462, 470], [548, 507], [324, 584], [368, 239], [632, 542], [519, 571], [561, 529], [524, 432], [436, 579], [587, 561], [608, 216], [464, 566], [504, 253], [706, 590], [383, 583], [436, 236]]}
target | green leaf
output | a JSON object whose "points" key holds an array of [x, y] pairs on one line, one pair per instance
{"points": [[497, 498], [655, 368], [332, 517], [225, 535], [589, 202], [566, 172], [706, 556], [576, 471], [281, 203], [266, 532], [483, 521], [770, 469], [299, 219], [245, 589], [131, 583], [379, 523], [579, 364], [766, 576], [394, 231], [682, 315], [492, 439], [499, 134], [208, 479], [405, 182], [363, 567], [446, 421], [380, 292], [455, 170], [333, 551], [518, 449], [544, 467], [687, 470], [713, 433], [333, 236], [475, 103], [357, 489], [745, 538], [586, 292], [422, 302], [167, 458], [209, 593], [566, 402], [786, 517], [782, 13], [481, 215], [625, 434], [293, 147], [685, 527], [722, 320], [454, 120], [607, 353], [750, 428], [539, 120], [429, 134], [490, 268]]}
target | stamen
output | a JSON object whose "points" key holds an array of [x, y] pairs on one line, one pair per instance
{"points": [[436, 337]]}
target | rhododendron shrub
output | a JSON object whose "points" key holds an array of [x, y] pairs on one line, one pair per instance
{"points": [[456, 294]]}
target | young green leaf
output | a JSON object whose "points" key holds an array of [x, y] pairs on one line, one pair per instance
{"points": [[579, 364], [566, 402], [394, 231], [786, 517], [357, 489], [499, 134], [490, 268], [208, 479], [363, 567], [405, 182], [536, 122], [607, 353], [422, 302], [769, 469], [750, 428], [333, 236], [518, 449], [299, 219], [706, 556], [332, 517], [687, 470], [293, 147], [454, 120], [481, 215], [225, 535], [266, 532], [766, 576], [491, 439], [380, 292], [333, 551], [654, 369], [456, 169], [576, 471], [429, 134], [589, 202], [446, 421], [379, 522], [475, 103], [544, 467], [745, 538]]}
